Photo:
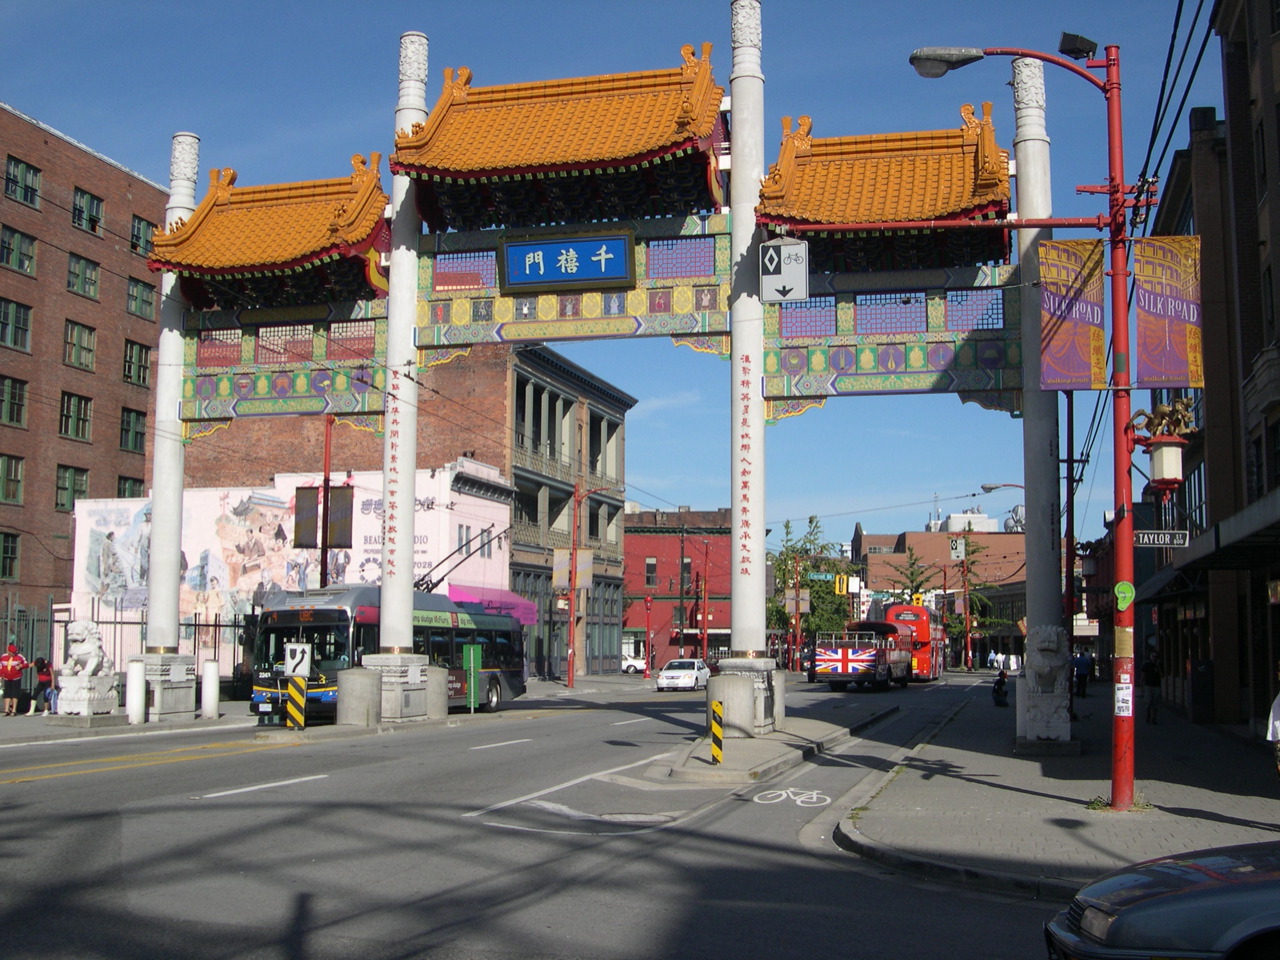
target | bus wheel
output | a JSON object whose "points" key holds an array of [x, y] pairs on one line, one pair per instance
{"points": [[493, 699]]}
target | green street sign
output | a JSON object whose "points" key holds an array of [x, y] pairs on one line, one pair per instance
{"points": [[1124, 595]]}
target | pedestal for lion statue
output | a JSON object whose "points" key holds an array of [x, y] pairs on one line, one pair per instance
{"points": [[87, 682], [1043, 694]]}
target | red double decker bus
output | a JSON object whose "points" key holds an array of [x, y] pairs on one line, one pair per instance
{"points": [[928, 644]]}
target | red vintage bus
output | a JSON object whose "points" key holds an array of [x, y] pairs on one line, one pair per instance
{"points": [[929, 644]]}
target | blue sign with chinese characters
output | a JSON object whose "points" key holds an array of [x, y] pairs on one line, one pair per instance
{"points": [[580, 262]]}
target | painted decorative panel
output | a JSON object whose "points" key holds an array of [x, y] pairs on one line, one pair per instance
{"points": [[681, 287], [928, 331]]}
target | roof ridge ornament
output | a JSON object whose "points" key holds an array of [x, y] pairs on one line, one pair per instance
{"points": [[795, 143], [221, 182]]}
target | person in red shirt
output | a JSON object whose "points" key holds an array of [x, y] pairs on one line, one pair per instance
{"points": [[12, 664]]}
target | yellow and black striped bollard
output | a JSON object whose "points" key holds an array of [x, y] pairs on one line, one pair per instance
{"points": [[717, 731], [295, 703]]}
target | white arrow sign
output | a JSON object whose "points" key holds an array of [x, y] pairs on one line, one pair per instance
{"points": [[784, 270]]}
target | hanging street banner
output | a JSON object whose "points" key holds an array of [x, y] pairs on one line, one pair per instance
{"points": [[1073, 347], [1166, 298]]}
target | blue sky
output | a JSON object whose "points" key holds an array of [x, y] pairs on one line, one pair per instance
{"points": [[290, 90]]}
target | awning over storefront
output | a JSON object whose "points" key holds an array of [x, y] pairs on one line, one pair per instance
{"points": [[495, 600]]}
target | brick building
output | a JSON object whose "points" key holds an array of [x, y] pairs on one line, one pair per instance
{"points": [[77, 329], [671, 556]]}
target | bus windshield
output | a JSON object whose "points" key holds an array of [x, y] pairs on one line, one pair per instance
{"points": [[330, 644]]}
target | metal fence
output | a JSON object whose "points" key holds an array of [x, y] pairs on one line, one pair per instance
{"points": [[43, 633]]}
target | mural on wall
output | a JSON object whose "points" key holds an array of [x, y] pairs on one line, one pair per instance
{"points": [[237, 543]]}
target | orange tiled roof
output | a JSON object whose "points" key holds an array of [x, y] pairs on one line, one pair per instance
{"points": [[563, 124], [274, 227], [930, 175]]}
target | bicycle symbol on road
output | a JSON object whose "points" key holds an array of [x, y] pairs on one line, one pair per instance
{"points": [[803, 798]]}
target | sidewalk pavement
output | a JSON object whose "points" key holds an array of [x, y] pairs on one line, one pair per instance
{"points": [[961, 806]]}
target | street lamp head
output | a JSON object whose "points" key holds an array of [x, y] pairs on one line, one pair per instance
{"points": [[1077, 47], [935, 61], [989, 487]]}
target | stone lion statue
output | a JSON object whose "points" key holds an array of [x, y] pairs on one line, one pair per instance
{"points": [[85, 654], [1047, 659]]}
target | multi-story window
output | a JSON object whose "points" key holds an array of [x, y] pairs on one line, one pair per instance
{"points": [[130, 487], [140, 234], [10, 478], [464, 539], [13, 401], [486, 543], [77, 412], [137, 363], [650, 571], [133, 430], [22, 182], [78, 343], [15, 324], [18, 251], [73, 485], [86, 211], [82, 276], [8, 556], [142, 299]]}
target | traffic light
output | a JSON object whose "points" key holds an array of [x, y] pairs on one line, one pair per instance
{"points": [[917, 599]]}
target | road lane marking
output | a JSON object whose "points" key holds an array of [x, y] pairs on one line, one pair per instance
{"points": [[265, 786], [566, 784], [623, 723], [76, 768], [504, 743]]}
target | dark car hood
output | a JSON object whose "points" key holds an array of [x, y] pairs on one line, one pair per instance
{"points": [[1207, 870]]}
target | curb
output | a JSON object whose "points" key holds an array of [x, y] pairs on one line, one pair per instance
{"points": [[854, 841], [684, 771]]}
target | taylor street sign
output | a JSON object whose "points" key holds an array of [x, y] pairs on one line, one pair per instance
{"points": [[784, 270], [1160, 538]]}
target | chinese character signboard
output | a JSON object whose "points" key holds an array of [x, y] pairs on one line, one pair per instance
{"points": [[567, 263], [1166, 280], [1073, 349]]}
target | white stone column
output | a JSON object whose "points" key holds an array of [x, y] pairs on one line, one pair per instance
{"points": [[400, 436], [167, 463], [1040, 454], [746, 403]]}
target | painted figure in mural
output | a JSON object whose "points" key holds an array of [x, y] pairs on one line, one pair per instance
{"points": [[144, 547], [111, 577], [338, 562]]}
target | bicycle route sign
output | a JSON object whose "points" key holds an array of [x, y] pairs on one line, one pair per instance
{"points": [[784, 270]]}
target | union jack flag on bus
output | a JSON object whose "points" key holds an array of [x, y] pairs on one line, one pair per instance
{"points": [[844, 660]]}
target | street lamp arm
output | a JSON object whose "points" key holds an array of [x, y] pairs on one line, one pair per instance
{"points": [[933, 62], [1066, 64]]}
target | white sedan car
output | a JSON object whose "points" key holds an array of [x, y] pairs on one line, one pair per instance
{"points": [[632, 664], [684, 675]]}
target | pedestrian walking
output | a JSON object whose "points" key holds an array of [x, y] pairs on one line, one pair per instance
{"points": [[41, 699], [1083, 667], [999, 689], [1273, 724], [12, 663], [1151, 677]]}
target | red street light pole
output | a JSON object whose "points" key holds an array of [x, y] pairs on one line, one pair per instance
{"points": [[934, 62], [648, 633]]}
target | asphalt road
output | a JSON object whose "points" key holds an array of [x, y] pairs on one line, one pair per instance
{"points": [[548, 831]]}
